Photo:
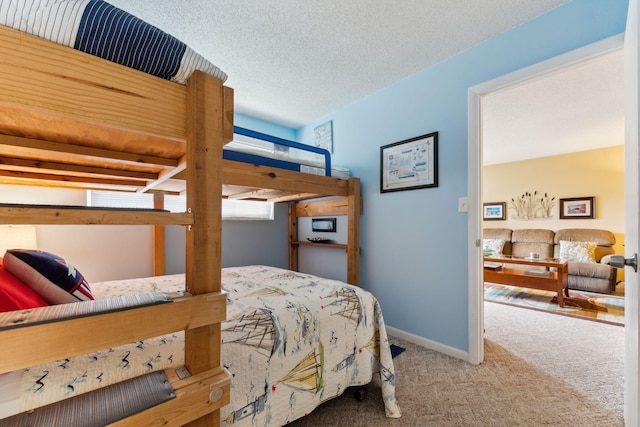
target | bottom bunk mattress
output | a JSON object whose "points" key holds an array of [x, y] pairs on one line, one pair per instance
{"points": [[291, 341]]}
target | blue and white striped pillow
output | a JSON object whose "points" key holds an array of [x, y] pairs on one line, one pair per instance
{"points": [[101, 29]]}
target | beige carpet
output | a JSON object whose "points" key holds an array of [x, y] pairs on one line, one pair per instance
{"points": [[540, 369]]}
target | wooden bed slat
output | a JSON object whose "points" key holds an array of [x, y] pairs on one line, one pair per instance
{"points": [[67, 338], [196, 396], [68, 179], [56, 215], [247, 175], [9, 163], [72, 150], [323, 207]]}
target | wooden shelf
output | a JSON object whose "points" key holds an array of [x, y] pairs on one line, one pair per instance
{"points": [[328, 245]]}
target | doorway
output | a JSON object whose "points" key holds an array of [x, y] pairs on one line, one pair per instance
{"points": [[537, 71]]}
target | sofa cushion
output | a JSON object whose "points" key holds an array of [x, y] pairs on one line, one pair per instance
{"points": [[603, 238], [590, 269], [499, 233], [495, 246], [578, 251], [525, 241]]}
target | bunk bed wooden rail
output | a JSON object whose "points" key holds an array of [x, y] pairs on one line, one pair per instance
{"points": [[74, 120], [108, 329]]}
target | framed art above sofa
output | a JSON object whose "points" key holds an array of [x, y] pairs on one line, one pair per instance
{"points": [[578, 208], [494, 211]]}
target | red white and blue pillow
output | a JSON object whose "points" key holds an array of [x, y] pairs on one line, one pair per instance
{"points": [[15, 295], [50, 276]]}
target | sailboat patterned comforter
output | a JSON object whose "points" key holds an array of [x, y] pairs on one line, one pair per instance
{"points": [[291, 341]]}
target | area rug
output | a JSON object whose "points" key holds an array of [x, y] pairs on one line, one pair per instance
{"points": [[590, 306]]}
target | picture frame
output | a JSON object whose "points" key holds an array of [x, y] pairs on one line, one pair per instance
{"points": [[578, 208], [323, 224], [323, 136], [494, 211], [409, 164]]}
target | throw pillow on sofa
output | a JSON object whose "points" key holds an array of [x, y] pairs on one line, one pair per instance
{"points": [[50, 276], [495, 246], [578, 251]]}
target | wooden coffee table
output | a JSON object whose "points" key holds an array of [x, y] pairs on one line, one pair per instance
{"points": [[515, 271]]}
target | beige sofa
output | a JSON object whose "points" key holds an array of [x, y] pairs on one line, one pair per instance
{"points": [[596, 276]]}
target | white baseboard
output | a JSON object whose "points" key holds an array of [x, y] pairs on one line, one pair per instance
{"points": [[431, 345]]}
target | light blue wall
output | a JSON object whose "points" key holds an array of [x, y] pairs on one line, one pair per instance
{"points": [[262, 126], [414, 243]]}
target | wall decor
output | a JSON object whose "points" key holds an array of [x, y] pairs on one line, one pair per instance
{"points": [[409, 164], [532, 206], [578, 207], [494, 211], [323, 224], [323, 136]]}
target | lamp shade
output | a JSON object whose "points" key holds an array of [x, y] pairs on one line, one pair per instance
{"points": [[17, 237]]}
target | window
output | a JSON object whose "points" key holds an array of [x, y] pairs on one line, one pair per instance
{"points": [[231, 209]]}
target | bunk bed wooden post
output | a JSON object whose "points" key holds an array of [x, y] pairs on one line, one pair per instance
{"points": [[158, 239], [205, 137], [293, 237], [354, 210]]}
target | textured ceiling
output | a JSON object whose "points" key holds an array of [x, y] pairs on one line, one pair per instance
{"points": [[292, 62], [572, 109]]}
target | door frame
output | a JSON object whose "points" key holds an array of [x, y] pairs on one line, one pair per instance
{"points": [[632, 223], [474, 174]]}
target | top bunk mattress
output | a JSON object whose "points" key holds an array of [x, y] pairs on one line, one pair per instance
{"points": [[100, 29], [249, 146]]}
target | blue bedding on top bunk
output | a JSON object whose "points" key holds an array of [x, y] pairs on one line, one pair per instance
{"points": [[99, 28]]}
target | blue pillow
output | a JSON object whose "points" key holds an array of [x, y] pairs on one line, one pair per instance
{"points": [[50, 276]]}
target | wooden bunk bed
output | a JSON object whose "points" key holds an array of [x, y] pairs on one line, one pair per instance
{"points": [[93, 124]]}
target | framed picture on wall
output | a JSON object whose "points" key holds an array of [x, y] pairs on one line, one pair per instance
{"points": [[323, 224], [409, 164], [494, 211], [323, 136], [578, 207]]}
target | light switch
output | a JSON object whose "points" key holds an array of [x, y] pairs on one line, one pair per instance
{"points": [[463, 204]]}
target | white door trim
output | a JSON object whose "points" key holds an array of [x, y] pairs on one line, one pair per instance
{"points": [[476, 306], [632, 223]]}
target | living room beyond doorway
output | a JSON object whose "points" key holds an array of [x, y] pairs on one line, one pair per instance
{"points": [[542, 140]]}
